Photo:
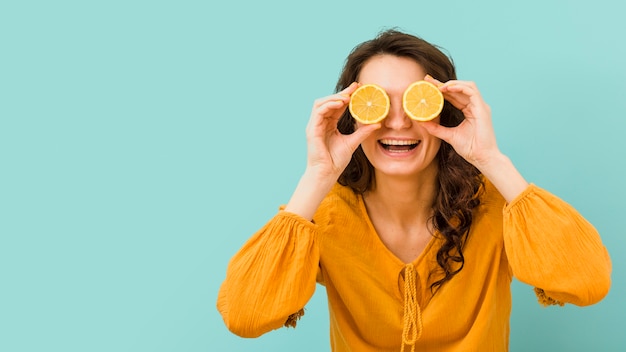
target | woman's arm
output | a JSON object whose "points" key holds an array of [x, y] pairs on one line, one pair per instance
{"points": [[553, 248], [271, 277], [548, 243], [474, 138], [328, 152]]}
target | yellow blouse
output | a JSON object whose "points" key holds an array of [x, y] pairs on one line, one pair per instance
{"points": [[378, 303]]}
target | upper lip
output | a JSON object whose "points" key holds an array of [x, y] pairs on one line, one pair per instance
{"points": [[398, 141]]}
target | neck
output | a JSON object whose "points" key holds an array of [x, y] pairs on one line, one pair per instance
{"points": [[404, 199]]}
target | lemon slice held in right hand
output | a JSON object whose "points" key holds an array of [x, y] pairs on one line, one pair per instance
{"points": [[369, 104]]}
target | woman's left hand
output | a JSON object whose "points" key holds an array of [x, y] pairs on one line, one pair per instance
{"points": [[474, 138]]}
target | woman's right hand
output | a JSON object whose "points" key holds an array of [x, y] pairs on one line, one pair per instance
{"points": [[329, 151]]}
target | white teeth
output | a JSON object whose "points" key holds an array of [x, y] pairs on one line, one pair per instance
{"points": [[399, 142]]}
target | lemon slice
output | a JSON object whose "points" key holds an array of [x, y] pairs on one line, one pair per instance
{"points": [[422, 101], [369, 104]]}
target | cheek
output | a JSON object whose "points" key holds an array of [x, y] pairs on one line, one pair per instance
{"points": [[369, 145], [435, 146], [370, 139]]}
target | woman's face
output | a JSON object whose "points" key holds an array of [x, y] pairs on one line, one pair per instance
{"points": [[401, 147]]}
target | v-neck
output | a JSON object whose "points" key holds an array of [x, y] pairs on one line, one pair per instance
{"points": [[411, 290], [397, 261]]}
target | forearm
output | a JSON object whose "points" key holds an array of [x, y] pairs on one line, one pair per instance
{"points": [[309, 193], [271, 277], [552, 246], [501, 172]]}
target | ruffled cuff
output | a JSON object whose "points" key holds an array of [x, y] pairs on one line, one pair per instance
{"points": [[554, 248], [272, 276], [545, 300], [299, 220], [528, 192]]}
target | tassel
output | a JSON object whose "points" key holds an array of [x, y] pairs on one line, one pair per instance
{"points": [[293, 318], [544, 300]]}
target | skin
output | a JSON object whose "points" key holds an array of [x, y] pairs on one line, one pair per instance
{"points": [[405, 182], [395, 74], [399, 206]]}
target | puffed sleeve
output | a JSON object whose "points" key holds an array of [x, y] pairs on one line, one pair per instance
{"points": [[553, 248], [271, 278]]}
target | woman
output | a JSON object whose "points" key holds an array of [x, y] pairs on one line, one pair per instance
{"points": [[415, 228]]}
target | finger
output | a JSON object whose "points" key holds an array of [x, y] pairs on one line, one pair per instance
{"points": [[329, 110], [439, 131], [457, 100], [361, 133], [350, 89], [344, 99], [332, 108], [463, 87], [464, 95], [336, 102], [460, 93], [433, 80], [343, 96]]}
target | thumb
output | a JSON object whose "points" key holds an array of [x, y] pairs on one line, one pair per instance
{"points": [[441, 132], [361, 134]]}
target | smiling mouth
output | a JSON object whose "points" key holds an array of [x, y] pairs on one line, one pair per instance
{"points": [[398, 146]]}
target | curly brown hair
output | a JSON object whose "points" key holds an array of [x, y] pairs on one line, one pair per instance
{"points": [[459, 182]]}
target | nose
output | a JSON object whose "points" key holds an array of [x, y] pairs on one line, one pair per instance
{"points": [[397, 119]]}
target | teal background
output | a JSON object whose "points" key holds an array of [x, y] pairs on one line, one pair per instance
{"points": [[142, 142]]}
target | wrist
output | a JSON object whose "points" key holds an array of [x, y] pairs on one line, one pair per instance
{"points": [[501, 172], [312, 188], [492, 163], [320, 177]]}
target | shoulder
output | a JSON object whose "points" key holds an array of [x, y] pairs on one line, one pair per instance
{"points": [[490, 197], [489, 214], [341, 195], [341, 201]]}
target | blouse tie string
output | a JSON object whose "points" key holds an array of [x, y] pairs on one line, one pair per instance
{"points": [[412, 327]]}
